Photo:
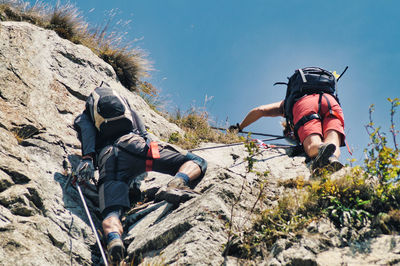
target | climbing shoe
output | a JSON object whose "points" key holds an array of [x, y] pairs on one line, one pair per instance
{"points": [[176, 192], [116, 251], [334, 163], [175, 195], [178, 183], [324, 152]]}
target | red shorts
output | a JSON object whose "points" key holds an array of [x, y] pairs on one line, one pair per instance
{"points": [[309, 105]]}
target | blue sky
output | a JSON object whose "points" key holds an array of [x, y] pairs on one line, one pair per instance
{"points": [[233, 51]]}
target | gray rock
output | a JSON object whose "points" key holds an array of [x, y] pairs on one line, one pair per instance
{"points": [[5, 181], [44, 81]]}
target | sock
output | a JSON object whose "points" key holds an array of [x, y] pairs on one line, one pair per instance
{"points": [[111, 236], [185, 177]]}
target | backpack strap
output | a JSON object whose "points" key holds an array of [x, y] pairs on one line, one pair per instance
{"points": [[303, 77], [327, 101], [319, 103], [332, 112], [335, 114]]}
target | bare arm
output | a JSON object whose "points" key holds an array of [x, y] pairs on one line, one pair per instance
{"points": [[270, 110]]}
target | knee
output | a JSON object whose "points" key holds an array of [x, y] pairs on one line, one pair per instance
{"points": [[197, 160]]}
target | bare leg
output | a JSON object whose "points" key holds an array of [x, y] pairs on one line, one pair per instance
{"points": [[115, 246], [311, 144], [191, 169], [112, 224], [332, 136]]}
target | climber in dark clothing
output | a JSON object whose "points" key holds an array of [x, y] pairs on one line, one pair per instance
{"points": [[114, 138]]}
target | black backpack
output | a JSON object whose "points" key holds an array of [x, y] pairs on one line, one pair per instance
{"points": [[306, 81], [110, 112]]}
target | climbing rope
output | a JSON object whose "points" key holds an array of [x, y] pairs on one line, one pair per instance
{"points": [[252, 133], [260, 143]]}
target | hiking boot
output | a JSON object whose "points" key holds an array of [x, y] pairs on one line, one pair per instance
{"points": [[178, 183], [175, 195], [324, 152], [334, 163], [176, 192], [116, 251]]}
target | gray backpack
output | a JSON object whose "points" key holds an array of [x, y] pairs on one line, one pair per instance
{"points": [[110, 113]]}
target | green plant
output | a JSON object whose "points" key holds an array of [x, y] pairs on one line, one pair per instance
{"points": [[252, 150], [242, 245], [382, 160]]}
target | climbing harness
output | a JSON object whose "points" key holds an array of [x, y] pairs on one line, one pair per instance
{"points": [[74, 182], [152, 153]]}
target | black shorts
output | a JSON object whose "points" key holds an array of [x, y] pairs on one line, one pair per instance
{"points": [[125, 160]]}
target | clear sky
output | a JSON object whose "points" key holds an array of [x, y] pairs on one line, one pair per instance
{"points": [[232, 51]]}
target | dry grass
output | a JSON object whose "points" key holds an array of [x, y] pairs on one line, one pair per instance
{"points": [[67, 22], [197, 130], [129, 63], [21, 11]]}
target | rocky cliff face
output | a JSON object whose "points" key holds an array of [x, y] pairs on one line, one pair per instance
{"points": [[44, 81]]}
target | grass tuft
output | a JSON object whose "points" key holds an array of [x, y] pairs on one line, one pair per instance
{"points": [[197, 130], [130, 64], [67, 22]]}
